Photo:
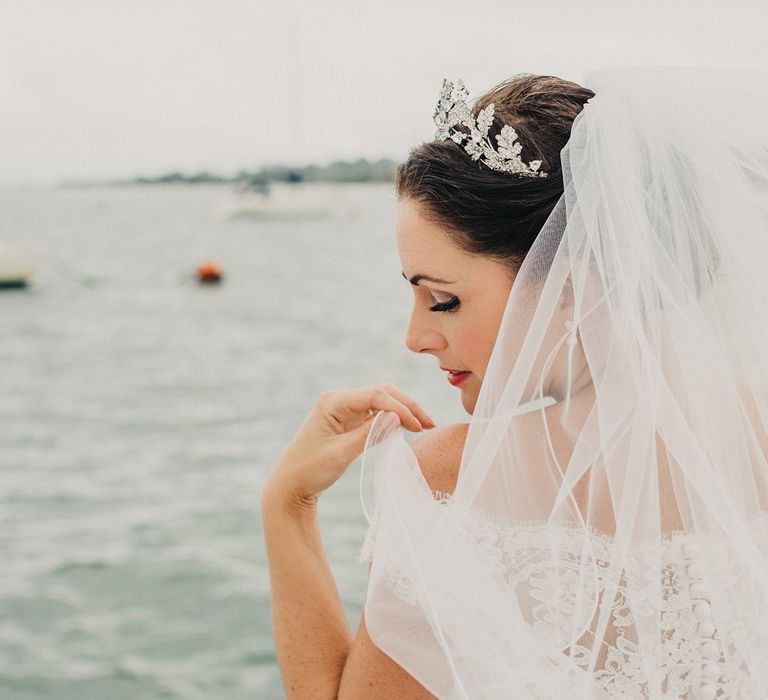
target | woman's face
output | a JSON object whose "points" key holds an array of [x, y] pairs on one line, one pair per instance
{"points": [[459, 299]]}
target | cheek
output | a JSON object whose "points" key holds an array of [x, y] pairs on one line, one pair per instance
{"points": [[474, 342], [481, 338]]}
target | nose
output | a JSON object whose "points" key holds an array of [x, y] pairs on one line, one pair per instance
{"points": [[423, 334]]}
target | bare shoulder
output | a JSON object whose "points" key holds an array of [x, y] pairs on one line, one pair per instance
{"points": [[439, 453]]}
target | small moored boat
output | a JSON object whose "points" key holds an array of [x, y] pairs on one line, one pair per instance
{"points": [[19, 261]]}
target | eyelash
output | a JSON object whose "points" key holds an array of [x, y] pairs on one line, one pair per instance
{"points": [[446, 305]]}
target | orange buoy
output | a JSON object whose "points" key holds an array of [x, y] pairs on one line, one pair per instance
{"points": [[209, 273]]}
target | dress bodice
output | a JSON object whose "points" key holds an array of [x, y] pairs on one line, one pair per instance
{"points": [[693, 649]]}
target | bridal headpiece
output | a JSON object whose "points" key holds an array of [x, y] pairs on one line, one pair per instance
{"points": [[452, 110]]}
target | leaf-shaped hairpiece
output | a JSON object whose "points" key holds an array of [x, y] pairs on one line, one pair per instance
{"points": [[452, 110]]}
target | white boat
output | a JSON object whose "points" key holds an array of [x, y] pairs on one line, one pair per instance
{"points": [[19, 261], [288, 203], [254, 207]]}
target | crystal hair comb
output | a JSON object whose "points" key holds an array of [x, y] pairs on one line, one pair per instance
{"points": [[452, 110]]}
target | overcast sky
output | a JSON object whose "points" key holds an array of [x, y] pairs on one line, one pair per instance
{"points": [[103, 89]]}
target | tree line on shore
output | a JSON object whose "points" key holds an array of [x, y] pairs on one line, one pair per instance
{"points": [[361, 170]]}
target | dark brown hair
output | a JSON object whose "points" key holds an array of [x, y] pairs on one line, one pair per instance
{"points": [[498, 214]]}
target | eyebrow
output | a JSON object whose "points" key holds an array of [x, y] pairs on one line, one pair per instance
{"points": [[416, 278]]}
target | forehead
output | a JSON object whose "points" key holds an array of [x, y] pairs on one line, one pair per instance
{"points": [[426, 245]]}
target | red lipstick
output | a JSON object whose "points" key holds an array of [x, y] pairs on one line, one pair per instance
{"points": [[455, 376]]}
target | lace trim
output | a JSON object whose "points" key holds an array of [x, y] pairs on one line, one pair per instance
{"points": [[693, 650], [365, 554]]}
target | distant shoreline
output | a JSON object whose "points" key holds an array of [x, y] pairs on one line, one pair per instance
{"points": [[358, 171]]}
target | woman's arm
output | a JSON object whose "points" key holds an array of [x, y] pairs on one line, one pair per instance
{"points": [[315, 648], [370, 674], [312, 636]]}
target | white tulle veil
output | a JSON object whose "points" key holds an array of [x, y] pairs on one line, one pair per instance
{"points": [[608, 534]]}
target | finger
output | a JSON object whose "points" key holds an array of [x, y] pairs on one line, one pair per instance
{"points": [[409, 401], [382, 400], [355, 439], [379, 399]]}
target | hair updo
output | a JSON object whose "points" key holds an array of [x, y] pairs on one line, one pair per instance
{"points": [[491, 213]]}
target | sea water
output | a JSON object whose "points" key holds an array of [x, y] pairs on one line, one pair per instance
{"points": [[140, 413]]}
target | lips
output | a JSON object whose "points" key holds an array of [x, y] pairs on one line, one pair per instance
{"points": [[455, 376]]}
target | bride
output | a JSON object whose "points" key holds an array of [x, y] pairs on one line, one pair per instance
{"points": [[587, 266]]}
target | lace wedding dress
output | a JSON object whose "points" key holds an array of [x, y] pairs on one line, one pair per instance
{"points": [[693, 661]]}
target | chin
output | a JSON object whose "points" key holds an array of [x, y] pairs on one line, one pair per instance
{"points": [[469, 401]]}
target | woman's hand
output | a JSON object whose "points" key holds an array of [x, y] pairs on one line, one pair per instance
{"points": [[333, 434]]}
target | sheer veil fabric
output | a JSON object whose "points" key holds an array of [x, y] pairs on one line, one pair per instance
{"points": [[608, 534]]}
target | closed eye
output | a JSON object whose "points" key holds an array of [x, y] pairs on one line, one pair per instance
{"points": [[446, 305]]}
